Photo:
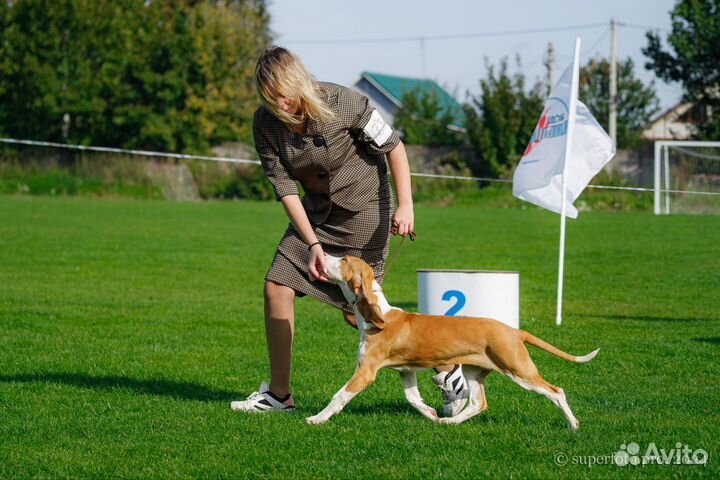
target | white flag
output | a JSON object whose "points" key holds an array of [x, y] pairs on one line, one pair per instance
{"points": [[538, 176]]}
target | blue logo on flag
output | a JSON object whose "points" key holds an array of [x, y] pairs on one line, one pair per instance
{"points": [[553, 123]]}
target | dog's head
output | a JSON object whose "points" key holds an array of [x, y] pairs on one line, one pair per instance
{"points": [[358, 277]]}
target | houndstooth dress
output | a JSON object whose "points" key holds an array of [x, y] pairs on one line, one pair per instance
{"points": [[341, 168]]}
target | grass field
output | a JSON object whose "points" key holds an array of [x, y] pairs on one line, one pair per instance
{"points": [[127, 327]]}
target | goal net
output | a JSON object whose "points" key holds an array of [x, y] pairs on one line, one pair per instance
{"points": [[687, 177]]}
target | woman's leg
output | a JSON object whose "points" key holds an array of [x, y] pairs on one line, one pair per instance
{"points": [[279, 331]]}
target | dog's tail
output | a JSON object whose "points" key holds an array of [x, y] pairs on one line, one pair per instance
{"points": [[536, 342]]}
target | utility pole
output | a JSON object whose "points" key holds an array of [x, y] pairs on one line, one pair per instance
{"points": [[422, 55], [549, 63], [612, 121]]}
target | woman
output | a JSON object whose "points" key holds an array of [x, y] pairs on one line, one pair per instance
{"points": [[334, 143]]}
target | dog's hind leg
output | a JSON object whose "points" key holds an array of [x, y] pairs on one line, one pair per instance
{"points": [[535, 383], [412, 394], [477, 403]]}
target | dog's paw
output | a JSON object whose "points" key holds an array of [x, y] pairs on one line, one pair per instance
{"points": [[315, 420], [456, 420], [432, 415]]}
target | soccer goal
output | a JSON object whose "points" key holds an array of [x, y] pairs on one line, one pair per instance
{"points": [[687, 177]]}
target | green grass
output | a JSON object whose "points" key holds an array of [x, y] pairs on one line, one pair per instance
{"points": [[126, 328]]}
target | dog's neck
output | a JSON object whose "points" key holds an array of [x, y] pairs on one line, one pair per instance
{"points": [[352, 299], [382, 301]]}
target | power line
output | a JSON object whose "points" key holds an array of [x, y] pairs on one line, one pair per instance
{"points": [[588, 51], [447, 36], [641, 27]]}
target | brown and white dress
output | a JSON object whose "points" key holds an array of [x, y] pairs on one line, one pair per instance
{"points": [[341, 168]]}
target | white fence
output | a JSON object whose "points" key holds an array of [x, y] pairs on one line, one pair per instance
{"points": [[661, 187]]}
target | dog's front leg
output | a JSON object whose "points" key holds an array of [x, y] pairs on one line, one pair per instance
{"points": [[338, 402], [363, 377], [412, 394]]}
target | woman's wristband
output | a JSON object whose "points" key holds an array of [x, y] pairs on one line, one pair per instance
{"points": [[313, 244]]}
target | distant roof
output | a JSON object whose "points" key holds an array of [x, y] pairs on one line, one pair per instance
{"points": [[394, 88], [674, 123], [674, 111]]}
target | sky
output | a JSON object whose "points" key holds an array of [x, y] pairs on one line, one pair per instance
{"points": [[337, 40]]}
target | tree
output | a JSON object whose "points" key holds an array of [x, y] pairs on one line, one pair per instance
{"points": [[636, 103], [501, 119], [162, 74], [424, 121], [693, 58]]}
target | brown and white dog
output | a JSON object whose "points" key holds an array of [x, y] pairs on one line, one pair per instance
{"points": [[392, 338]]}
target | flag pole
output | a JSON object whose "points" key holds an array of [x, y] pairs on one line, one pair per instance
{"points": [[572, 111]]}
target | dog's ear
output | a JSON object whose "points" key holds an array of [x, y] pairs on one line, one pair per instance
{"points": [[368, 305], [371, 313], [349, 275], [355, 283]]}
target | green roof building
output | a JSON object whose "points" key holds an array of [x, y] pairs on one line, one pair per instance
{"points": [[386, 92]]}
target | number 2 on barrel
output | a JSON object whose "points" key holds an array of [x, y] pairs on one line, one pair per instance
{"points": [[459, 304]]}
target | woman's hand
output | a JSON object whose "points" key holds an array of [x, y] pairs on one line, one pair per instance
{"points": [[403, 222], [316, 264], [298, 217]]}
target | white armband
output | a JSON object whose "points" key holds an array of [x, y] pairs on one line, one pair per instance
{"points": [[377, 129]]}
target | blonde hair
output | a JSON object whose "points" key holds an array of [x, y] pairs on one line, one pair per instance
{"points": [[279, 72]]}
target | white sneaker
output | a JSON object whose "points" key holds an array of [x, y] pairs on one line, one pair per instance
{"points": [[454, 390], [264, 401]]}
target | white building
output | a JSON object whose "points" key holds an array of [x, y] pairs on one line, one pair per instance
{"points": [[676, 123]]}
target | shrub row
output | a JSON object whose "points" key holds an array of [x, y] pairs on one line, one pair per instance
{"points": [[91, 174]]}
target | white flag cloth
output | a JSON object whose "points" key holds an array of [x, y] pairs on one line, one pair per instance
{"points": [[538, 176]]}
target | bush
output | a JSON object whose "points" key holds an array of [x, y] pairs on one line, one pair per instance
{"points": [[595, 199], [63, 175], [223, 180]]}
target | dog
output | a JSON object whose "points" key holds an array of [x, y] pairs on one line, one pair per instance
{"points": [[392, 338]]}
